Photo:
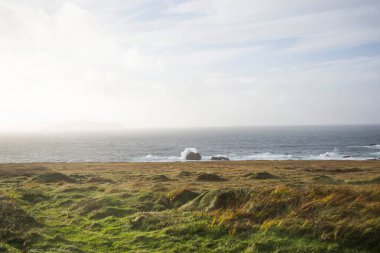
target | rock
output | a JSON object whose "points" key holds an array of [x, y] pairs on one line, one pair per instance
{"points": [[346, 156], [191, 154], [220, 158]]}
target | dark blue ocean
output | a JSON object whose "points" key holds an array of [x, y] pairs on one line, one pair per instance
{"points": [[245, 143]]}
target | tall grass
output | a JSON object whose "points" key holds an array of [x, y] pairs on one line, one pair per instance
{"points": [[347, 215]]}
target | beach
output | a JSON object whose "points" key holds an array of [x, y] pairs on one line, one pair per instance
{"points": [[226, 206]]}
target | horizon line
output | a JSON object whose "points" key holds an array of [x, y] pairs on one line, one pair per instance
{"points": [[126, 129]]}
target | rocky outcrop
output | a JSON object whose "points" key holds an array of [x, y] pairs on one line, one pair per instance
{"points": [[220, 158], [191, 154]]}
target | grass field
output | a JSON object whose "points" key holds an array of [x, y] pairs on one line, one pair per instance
{"points": [[248, 206]]}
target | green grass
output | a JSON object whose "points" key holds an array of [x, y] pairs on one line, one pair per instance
{"points": [[69, 211]]}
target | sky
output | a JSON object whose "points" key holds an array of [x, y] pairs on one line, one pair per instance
{"points": [[92, 64]]}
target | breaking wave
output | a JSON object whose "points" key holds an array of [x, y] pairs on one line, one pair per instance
{"points": [[188, 151], [261, 143], [156, 158], [374, 146], [262, 156], [329, 155]]}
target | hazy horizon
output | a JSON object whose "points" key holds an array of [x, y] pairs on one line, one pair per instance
{"points": [[81, 65], [95, 129]]}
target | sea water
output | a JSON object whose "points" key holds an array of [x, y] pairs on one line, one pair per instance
{"points": [[244, 143]]}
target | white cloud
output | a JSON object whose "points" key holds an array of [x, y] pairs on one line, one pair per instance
{"points": [[193, 63]]}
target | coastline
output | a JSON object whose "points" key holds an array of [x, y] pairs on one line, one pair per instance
{"points": [[290, 171]]}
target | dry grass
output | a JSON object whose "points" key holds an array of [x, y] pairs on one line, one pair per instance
{"points": [[292, 172], [333, 205]]}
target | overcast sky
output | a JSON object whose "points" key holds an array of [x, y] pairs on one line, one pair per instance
{"points": [[151, 63]]}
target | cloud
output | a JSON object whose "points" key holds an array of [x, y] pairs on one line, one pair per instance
{"points": [[188, 63]]}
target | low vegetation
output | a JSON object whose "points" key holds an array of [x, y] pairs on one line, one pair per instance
{"points": [[258, 206]]}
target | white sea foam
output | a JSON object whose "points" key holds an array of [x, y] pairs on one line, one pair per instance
{"points": [[188, 151], [156, 158], [220, 156], [329, 155], [376, 146], [263, 156], [334, 156], [236, 144]]}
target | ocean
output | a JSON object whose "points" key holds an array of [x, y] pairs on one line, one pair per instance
{"points": [[244, 143]]}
